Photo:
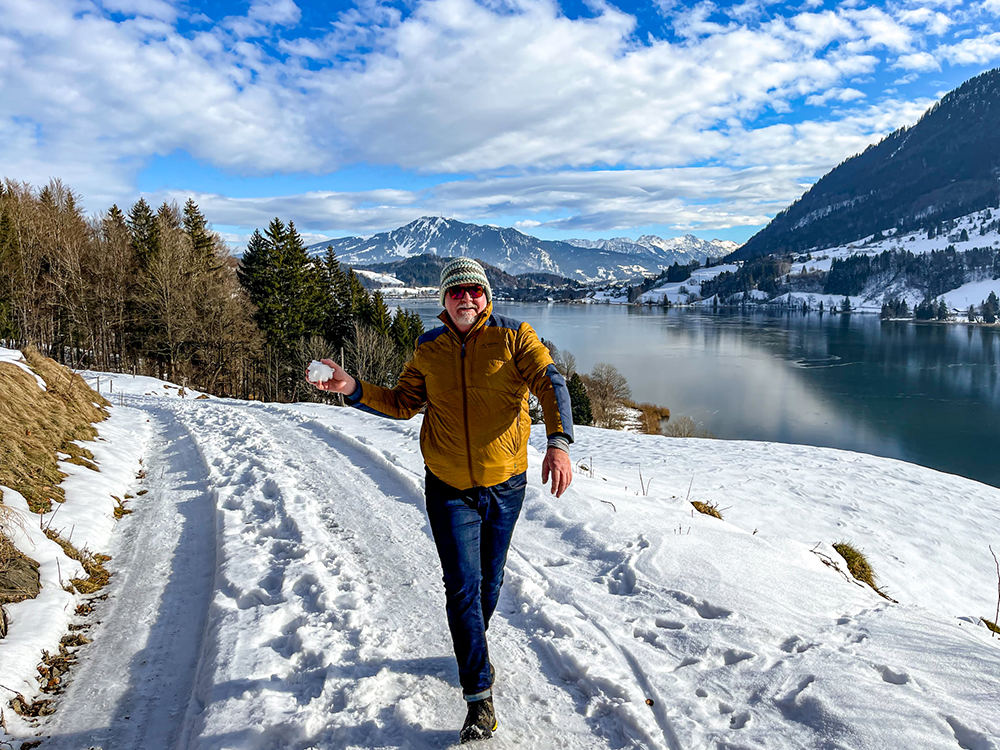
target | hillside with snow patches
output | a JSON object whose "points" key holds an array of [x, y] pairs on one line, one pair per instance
{"points": [[276, 587], [973, 292]]}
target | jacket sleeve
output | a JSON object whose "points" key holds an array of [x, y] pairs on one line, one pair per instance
{"points": [[538, 370], [401, 402]]}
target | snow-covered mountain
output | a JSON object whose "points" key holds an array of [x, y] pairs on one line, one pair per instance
{"points": [[276, 585], [516, 252], [687, 248]]}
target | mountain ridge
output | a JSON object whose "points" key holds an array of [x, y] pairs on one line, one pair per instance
{"points": [[515, 252], [944, 166]]}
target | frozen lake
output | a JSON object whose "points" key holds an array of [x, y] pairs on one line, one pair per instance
{"points": [[921, 392]]}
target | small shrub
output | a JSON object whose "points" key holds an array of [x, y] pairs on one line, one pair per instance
{"points": [[652, 416], [685, 427], [709, 509]]}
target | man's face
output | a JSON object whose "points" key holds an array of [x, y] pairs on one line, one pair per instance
{"points": [[464, 310]]}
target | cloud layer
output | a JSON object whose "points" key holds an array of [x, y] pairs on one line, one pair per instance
{"points": [[591, 122]]}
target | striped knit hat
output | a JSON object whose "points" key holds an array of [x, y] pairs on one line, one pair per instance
{"points": [[464, 272]]}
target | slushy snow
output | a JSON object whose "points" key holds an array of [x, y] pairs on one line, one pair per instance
{"points": [[277, 587]]}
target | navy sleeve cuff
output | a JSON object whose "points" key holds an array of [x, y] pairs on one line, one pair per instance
{"points": [[355, 397]]}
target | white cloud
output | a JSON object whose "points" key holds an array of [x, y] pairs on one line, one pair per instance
{"points": [[991, 6], [917, 61], [159, 9], [771, 167], [980, 50], [935, 22], [837, 94], [879, 30], [284, 12], [457, 86]]}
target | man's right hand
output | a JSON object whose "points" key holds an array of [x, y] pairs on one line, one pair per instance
{"points": [[341, 382]]}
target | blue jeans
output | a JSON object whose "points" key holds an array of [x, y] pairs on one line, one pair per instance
{"points": [[472, 531]]}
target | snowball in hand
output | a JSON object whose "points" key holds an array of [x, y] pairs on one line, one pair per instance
{"points": [[319, 373]]}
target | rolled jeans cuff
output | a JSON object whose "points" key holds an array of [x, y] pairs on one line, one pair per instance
{"points": [[481, 695]]}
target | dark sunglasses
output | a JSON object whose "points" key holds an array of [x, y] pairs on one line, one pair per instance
{"points": [[475, 292]]}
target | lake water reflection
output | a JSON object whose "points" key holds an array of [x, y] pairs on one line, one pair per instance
{"points": [[925, 393]]}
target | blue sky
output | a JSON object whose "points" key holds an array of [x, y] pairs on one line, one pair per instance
{"points": [[574, 119]]}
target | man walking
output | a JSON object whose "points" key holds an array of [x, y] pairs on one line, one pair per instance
{"points": [[474, 374]]}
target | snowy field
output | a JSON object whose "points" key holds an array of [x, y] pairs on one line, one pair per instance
{"points": [[277, 587]]}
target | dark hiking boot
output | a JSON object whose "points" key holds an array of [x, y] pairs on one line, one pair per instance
{"points": [[481, 721]]}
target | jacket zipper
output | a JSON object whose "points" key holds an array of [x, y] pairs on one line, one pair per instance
{"points": [[465, 415]]}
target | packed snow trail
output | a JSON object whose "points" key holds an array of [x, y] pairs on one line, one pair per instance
{"points": [[317, 618], [165, 569], [326, 626]]}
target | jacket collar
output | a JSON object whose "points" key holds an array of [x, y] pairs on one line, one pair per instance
{"points": [[481, 319]]}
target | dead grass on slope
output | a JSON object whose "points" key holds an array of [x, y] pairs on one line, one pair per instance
{"points": [[35, 426]]}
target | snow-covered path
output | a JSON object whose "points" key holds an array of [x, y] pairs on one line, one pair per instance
{"points": [[279, 589], [137, 680]]}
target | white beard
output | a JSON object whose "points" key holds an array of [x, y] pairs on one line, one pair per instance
{"points": [[466, 316]]}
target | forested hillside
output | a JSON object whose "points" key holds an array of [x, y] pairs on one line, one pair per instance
{"points": [[157, 293], [944, 166]]}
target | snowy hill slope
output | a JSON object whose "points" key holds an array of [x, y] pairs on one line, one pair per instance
{"points": [[627, 620], [966, 277]]}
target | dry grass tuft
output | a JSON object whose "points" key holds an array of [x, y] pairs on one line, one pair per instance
{"points": [[991, 625], [859, 566], [709, 509], [120, 510], [93, 564]]}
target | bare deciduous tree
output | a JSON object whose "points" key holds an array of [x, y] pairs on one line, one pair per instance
{"points": [[607, 388]]}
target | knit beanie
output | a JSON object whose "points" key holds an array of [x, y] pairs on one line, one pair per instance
{"points": [[464, 272]]}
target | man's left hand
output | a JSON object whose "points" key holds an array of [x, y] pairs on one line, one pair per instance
{"points": [[557, 464]]}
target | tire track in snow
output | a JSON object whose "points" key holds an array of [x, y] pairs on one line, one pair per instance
{"points": [[132, 685]]}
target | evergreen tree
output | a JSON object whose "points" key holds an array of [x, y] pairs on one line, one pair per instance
{"points": [[168, 217], [145, 232], [197, 229], [377, 315], [360, 300], [337, 302], [582, 412], [989, 308], [943, 313], [258, 275], [845, 305], [406, 329], [925, 310]]}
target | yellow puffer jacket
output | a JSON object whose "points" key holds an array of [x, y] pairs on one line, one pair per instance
{"points": [[475, 432]]}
